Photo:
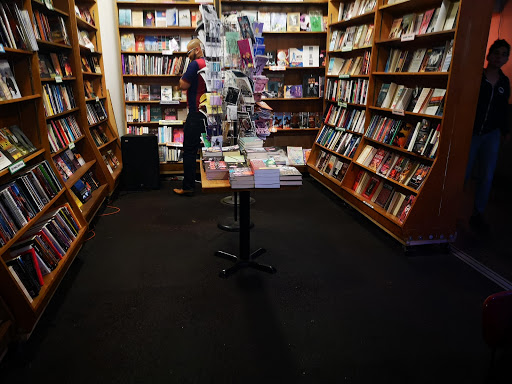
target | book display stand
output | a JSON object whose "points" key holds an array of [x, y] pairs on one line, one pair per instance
{"points": [[425, 137], [39, 199]]}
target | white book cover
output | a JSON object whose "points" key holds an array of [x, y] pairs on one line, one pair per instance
{"points": [[264, 17], [441, 18], [166, 93], [417, 59], [421, 100], [311, 55], [414, 135], [451, 17], [184, 18], [171, 16], [389, 96]]}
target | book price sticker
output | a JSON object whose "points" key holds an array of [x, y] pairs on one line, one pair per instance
{"points": [[348, 48], [399, 112], [71, 146], [344, 76], [58, 79], [342, 104], [277, 68], [169, 101], [2, 50], [17, 166], [408, 37], [368, 204], [167, 52]]}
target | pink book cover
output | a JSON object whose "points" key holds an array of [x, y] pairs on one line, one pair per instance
{"points": [[245, 48]]}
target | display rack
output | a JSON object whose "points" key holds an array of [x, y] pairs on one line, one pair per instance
{"points": [[432, 215]]}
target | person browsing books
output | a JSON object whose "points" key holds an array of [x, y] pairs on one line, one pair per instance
{"points": [[491, 122], [193, 83]]}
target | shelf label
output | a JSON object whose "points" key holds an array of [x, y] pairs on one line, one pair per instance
{"points": [[348, 48], [58, 79], [71, 146], [339, 129], [169, 101], [368, 204], [167, 52], [2, 48], [399, 112], [342, 104], [277, 68], [344, 76], [97, 99], [17, 166], [408, 37]]}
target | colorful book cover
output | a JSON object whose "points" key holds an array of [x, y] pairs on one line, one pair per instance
{"points": [[295, 57], [245, 48], [282, 57]]}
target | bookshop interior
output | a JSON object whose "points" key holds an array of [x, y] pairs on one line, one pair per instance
{"points": [[255, 191]]}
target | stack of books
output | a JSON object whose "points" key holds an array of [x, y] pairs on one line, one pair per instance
{"points": [[289, 176], [241, 177], [266, 173], [216, 170]]}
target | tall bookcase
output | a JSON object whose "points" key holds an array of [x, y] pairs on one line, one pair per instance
{"points": [[432, 216], [29, 114], [169, 167], [303, 137]]}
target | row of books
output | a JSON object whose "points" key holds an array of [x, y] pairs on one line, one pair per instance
{"points": [[57, 98], [111, 161], [155, 43], [15, 28], [96, 112], [24, 197], [352, 66], [54, 64], [294, 120], [62, 132], [312, 86], [14, 144], [350, 119], [347, 91], [68, 162], [428, 101], [436, 59], [140, 130], [360, 36], [160, 18], [312, 21], [331, 165], [166, 154], [343, 142], [170, 134], [146, 92], [439, 19], [8, 86], [90, 64], [383, 194], [422, 139], [84, 14], [99, 136], [395, 166], [50, 28], [40, 250], [84, 187], [307, 56], [347, 11], [154, 65]]}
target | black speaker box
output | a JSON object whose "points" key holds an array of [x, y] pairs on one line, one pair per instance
{"points": [[141, 168]]}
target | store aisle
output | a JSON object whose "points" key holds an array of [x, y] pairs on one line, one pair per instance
{"points": [[143, 301]]}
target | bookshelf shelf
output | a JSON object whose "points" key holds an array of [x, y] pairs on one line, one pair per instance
{"points": [[65, 148], [20, 100], [79, 173], [86, 51], [327, 176], [113, 140], [362, 19], [294, 68], [163, 3], [348, 104], [98, 123], [278, 3], [40, 6], [92, 74], [412, 190], [157, 29], [51, 46], [398, 149], [333, 152], [350, 50], [94, 99], [12, 51], [26, 159], [24, 229], [93, 204], [295, 33], [52, 80], [151, 53], [143, 123], [62, 114], [294, 130], [292, 99], [152, 102], [152, 76], [85, 25], [350, 77], [428, 220], [408, 113]]}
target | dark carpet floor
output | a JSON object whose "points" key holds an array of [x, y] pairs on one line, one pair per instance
{"points": [[143, 302]]}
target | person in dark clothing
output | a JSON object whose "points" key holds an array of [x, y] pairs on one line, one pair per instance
{"points": [[195, 124], [491, 122]]}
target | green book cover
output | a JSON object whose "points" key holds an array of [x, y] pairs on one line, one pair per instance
{"points": [[316, 23]]}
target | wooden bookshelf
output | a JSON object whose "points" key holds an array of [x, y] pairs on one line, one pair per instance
{"points": [[432, 216]]}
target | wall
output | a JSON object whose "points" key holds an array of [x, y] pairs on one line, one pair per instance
{"points": [[112, 59]]}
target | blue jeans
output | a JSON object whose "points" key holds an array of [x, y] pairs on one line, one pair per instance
{"points": [[484, 150]]}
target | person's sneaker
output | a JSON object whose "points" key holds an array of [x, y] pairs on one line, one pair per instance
{"points": [[183, 192], [478, 223]]}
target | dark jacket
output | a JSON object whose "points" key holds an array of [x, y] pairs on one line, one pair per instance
{"points": [[492, 107]]}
